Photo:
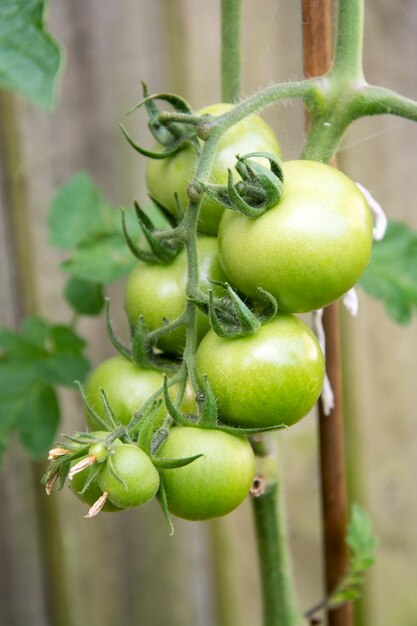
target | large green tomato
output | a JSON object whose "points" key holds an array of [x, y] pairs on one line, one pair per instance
{"points": [[214, 484], [273, 377], [127, 387], [158, 292], [309, 249], [131, 480], [164, 177]]}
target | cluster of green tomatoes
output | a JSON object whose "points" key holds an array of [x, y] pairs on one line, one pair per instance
{"points": [[274, 239]]}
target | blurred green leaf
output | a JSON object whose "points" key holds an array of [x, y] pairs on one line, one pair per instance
{"points": [[85, 297], [362, 543], [84, 223], [39, 420], [30, 58], [32, 362], [392, 273]]}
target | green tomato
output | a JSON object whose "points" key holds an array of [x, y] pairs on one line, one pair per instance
{"points": [[165, 177], [127, 387], [309, 249], [93, 492], [214, 484], [270, 378], [131, 479], [158, 292]]}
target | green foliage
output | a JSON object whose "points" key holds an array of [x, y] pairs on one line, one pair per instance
{"points": [[86, 298], [362, 543], [32, 362], [30, 57], [392, 273], [84, 223]]}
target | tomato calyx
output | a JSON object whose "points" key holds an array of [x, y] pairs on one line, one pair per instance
{"points": [[259, 189], [164, 244], [172, 135]]}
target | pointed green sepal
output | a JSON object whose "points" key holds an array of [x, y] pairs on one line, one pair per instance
{"points": [[165, 250], [111, 418], [143, 255], [114, 471], [117, 344], [146, 426], [141, 353], [94, 416], [176, 415], [230, 317], [167, 464], [208, 407], [171, 219], [269, 305], [93, 472], [246, 432], [162, 499]]}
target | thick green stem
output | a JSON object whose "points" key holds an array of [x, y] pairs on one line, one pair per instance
{"points": [[231, 53], [279, 607], [349, 41]]}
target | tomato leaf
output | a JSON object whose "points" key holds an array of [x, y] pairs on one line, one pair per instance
{"points": [[90, 228], [85, 297], [362, 543], [32, 362], [30, 58], [39, 419], [392, 273]]}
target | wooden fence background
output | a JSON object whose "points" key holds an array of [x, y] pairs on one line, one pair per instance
{"points": [[60, 570]]}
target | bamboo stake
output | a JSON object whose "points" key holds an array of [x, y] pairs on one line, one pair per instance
{"points": [[317, 60]]}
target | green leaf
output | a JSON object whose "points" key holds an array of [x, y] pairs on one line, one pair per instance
{"points": [[79, 211], [104, 260], [32, 362], [30, 58], [39, 420], [392, 273], [83, 222], [362, 543], [85, 297]]}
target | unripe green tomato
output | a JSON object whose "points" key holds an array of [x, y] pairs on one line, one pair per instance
{"points": [[158, 292], [165, 177], [136, 470], [270, 378], [306, 251], [93, 493], [214, 484], [127, 387]]}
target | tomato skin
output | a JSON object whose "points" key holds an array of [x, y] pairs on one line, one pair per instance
{"points": [[214, 484], [273, 377], [127, 387], [93, 493], [309, 249], [157, 292], [164, 177], [140, 477]]}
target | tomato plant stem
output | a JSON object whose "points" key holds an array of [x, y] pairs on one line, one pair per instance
{"points": [[279, 608], [349, 40], [230, 49]]}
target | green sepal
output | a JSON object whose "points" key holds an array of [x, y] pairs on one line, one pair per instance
{"points": [[146, 426], [143, 255], [270, 305], [171, 219], [93, 472], [208, 407], [173, 136], [141, 353], [113, 470], [158, 439], [176, 415], [116, 343], [63, 472], [162, 499], [167, 464], [165, 250], [112, 419], [230, 317], [260, 189], [246, 432], [95, 417]]}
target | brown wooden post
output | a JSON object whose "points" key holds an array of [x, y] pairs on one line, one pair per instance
{"points": [[317, 60]]}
